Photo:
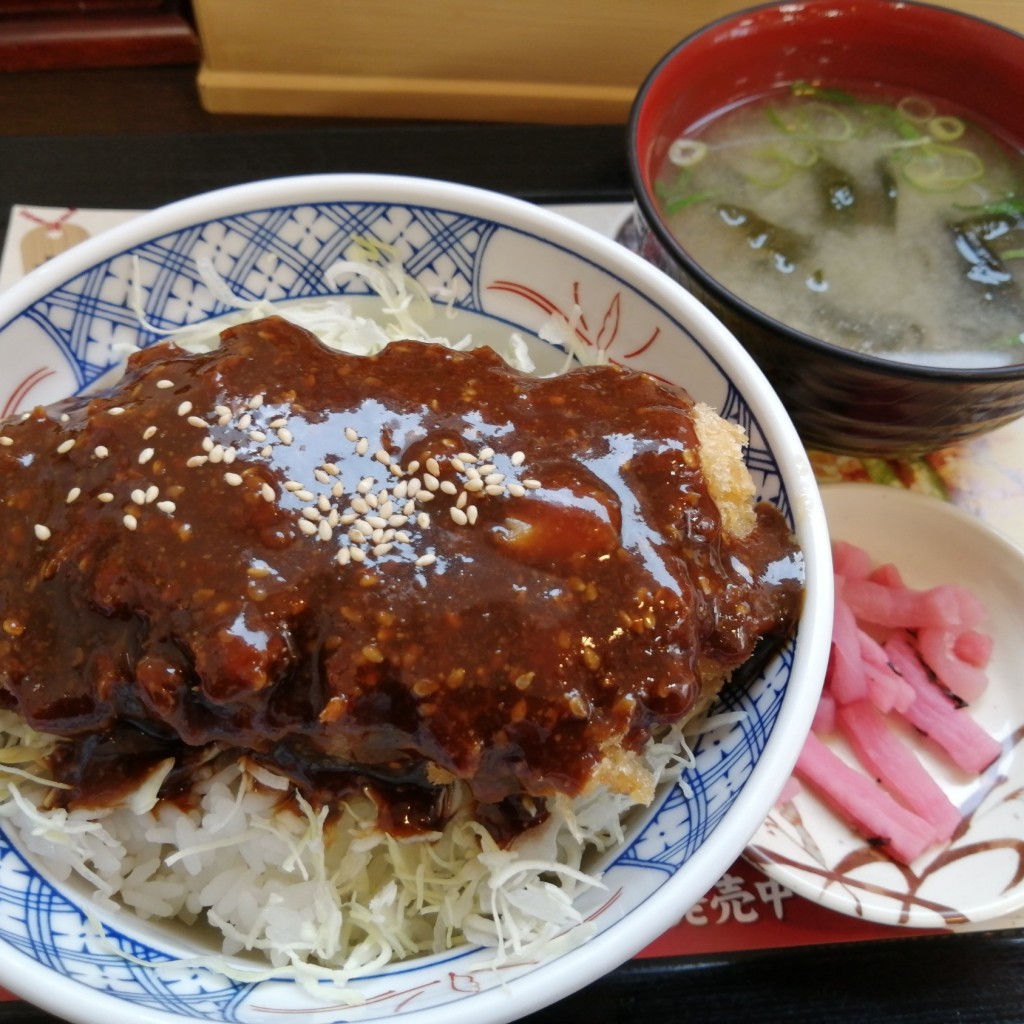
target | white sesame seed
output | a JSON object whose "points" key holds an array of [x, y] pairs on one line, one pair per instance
{"points": [[258, 436], [409, 509], [324, 531], [65, 418], [105, 497], [531, 485], [494, 490], [466, 457], [185, 408], [516, 490], [284, 435], [101, 451], [402, 537], [230, 454], [413, 466], [65, 446], [303, 495], [472, 473], [266, 452], [362, 446], [217, 453], [448, 487], [233, 479], [116, 410], [424, 496], [145, 455], [518, 458], [208, 444], [244, 421], [350, 435], [311, 513], [372, 500], [363, 527], [321, 476], [148, 432], [430, 482], [338, 490], [42, 532], [360, 505], [458, 516], [279, 421], [400, 489], [139, 496], [357, 554], [6, 441], [386, 508], [347, 518], [377, 537], [268, 492], [292, 485], [412, 486], [425, 560], [398, 520], [377, 522], [458, 465], [343, 556], [494, 478], [323, 503], [485, 453], [486, 469], [364, 485], [73, 494], [356, 536], [382, 549], [255, 402], [222, 410], [474, 485], [423, 520], [432, 467], [460, 501], [395, 469], [471, 513], [166, 506], [151, 493], [382, 456], [164, 383], [130, 521], [196, 460], [333, 517], [308, 528], [331, 469], [196, 421]]}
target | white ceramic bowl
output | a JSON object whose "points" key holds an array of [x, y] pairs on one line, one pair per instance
{"points": [[512, 266]]}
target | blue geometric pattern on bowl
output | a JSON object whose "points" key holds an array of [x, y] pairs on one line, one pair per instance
{"points": [[281, 254]]}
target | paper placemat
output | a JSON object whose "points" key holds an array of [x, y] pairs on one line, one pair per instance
{"points": [[745, 910]]}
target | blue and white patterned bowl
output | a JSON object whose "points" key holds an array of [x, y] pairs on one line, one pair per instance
{"points": [[515, 266]]}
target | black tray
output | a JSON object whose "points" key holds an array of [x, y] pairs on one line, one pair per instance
{"points": [[914, 979]]}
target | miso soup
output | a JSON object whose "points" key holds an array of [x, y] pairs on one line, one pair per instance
{"points": [[888, 225]]}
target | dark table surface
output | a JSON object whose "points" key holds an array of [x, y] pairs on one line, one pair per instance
{"points": [[138, 138]]}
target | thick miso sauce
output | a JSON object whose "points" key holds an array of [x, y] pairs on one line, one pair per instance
{"points": [[886, 223]]}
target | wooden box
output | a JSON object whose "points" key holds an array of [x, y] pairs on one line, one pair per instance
{"points": [[555, 61]]}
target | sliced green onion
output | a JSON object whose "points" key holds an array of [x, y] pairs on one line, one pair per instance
{"points": [[687, 152], [765, 167], [941, 168], [946, 129], [916, 108], [682, 202]]}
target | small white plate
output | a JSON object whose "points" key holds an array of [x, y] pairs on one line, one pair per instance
{"points": [[979, 874]]}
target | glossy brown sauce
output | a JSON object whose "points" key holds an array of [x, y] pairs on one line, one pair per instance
{"points": [[193, 561]]}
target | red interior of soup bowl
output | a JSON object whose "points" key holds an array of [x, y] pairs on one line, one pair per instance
{"points": [[967, 61]]}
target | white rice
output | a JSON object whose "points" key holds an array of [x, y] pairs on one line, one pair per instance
{"points": [[277, 878]]}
